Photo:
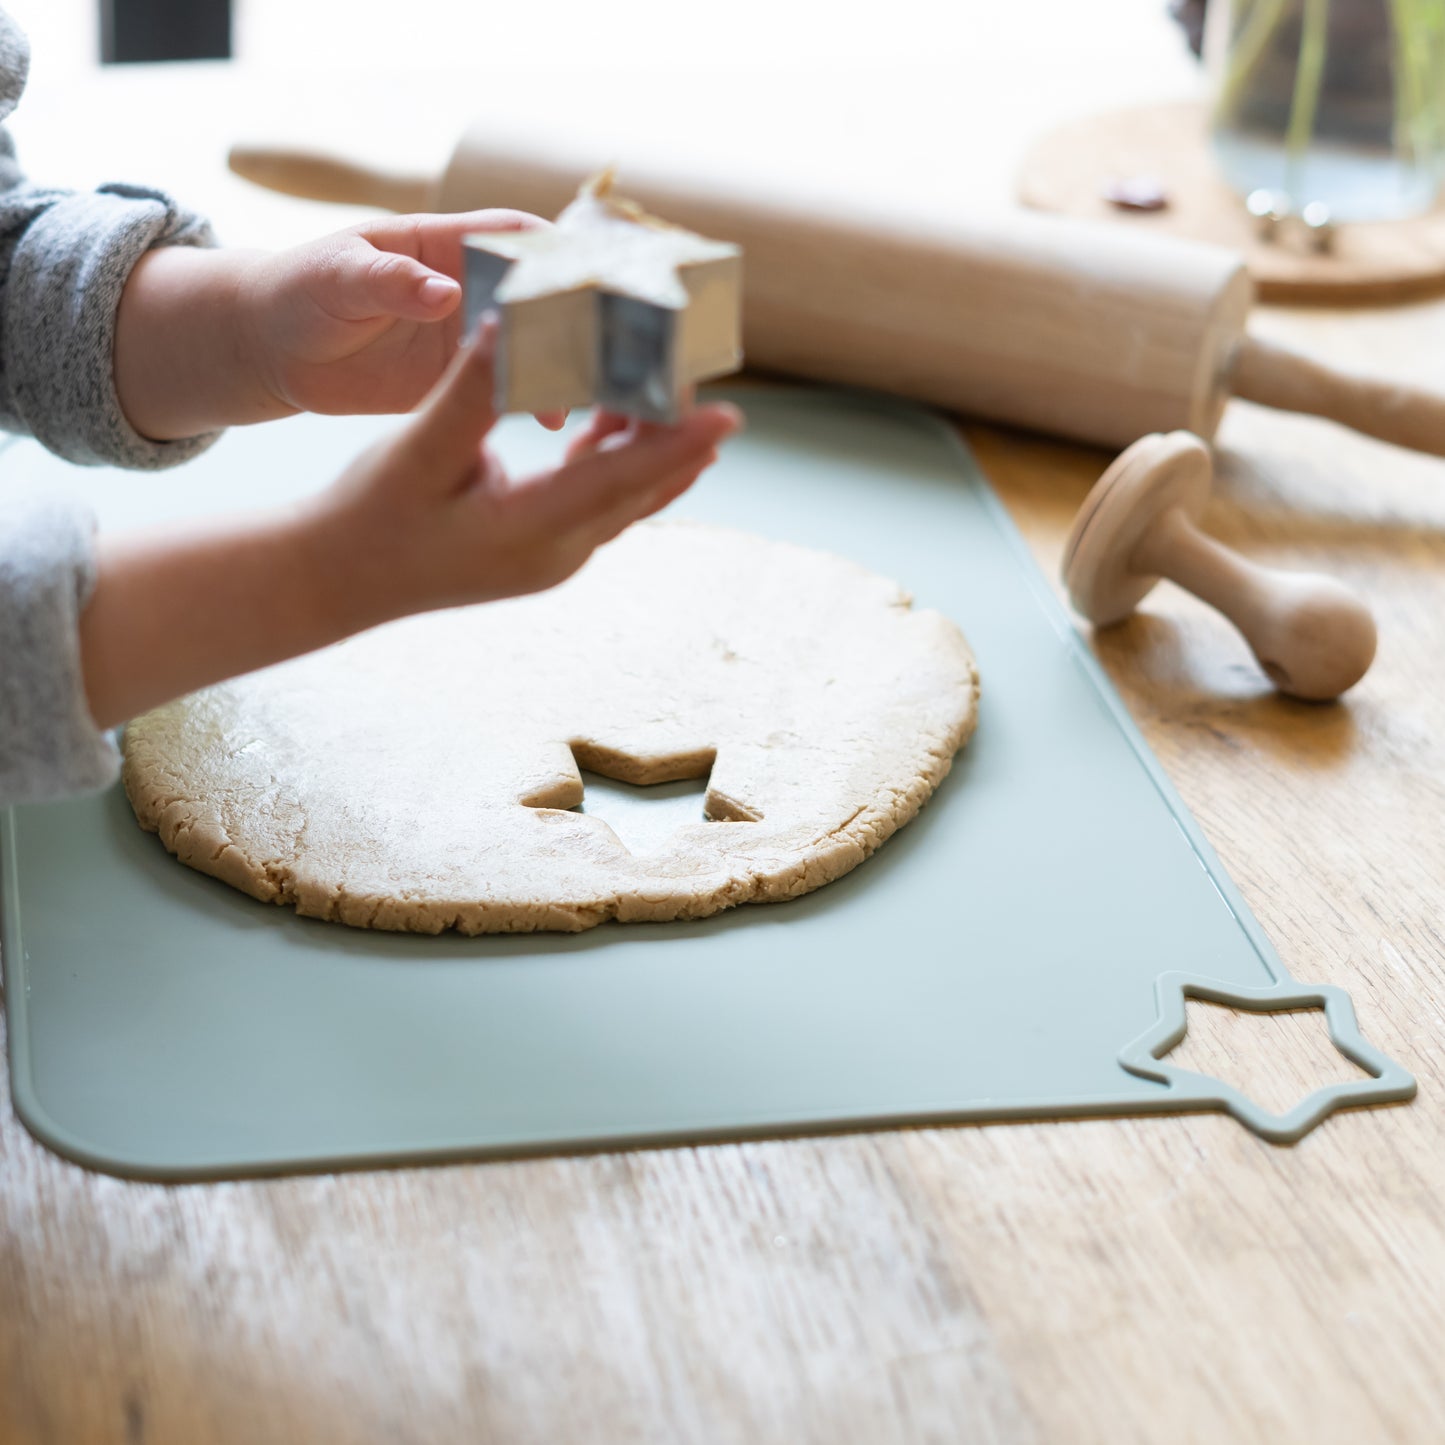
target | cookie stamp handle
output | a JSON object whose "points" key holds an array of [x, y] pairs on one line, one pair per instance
{"points": [[1312, 636]]}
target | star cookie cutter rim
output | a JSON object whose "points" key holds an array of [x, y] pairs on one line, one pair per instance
{"points": [[1386, 1082], [632, 331]]}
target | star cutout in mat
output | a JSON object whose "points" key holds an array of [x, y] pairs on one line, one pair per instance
{"points": [[1388, 1082], [610, 306]]}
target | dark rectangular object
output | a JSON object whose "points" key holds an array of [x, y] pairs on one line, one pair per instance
{"points": [[143, 30]]}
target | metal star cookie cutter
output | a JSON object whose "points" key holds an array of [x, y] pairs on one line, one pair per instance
{"points": [[609, 306], [1388, 1082]]}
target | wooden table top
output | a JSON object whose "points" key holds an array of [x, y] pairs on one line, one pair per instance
{"points": [[1165, 1279]]}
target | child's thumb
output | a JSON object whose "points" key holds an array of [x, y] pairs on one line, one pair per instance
{"points": [[460, 411], [368, 283]]}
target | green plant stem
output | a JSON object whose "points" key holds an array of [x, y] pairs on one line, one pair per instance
{"points": [[1305, 96], [1419, 27], [1246, 48]]}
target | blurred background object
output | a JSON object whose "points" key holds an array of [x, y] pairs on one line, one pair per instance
{"points": [[910, 114], [1189, 15], [141, 30], [1334, 103], [1312, 143]]}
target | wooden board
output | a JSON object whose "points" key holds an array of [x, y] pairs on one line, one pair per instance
{"points": [[1128, 1282], [1069, 169]]}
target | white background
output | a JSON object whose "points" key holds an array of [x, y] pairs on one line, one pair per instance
{"points": [[897, 100]]}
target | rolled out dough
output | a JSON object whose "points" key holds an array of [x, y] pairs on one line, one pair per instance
{"points": [[417, 776]]}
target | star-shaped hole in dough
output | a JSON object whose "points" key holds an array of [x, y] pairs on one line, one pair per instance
{"points": [[643, 816], [610, 305]]}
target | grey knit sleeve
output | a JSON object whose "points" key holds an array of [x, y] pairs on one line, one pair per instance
{"points": [[64, 260], [48, 744]]}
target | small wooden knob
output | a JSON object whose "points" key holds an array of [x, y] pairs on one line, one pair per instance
{"points": [[1312, 636]]}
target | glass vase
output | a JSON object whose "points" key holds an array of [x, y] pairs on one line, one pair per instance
{"points": [[1339, 103]]}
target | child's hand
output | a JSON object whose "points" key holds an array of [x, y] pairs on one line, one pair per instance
{"points": [[431, 519], [427, 519], [364, 320]]}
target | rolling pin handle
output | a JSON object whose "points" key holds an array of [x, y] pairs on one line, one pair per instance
{"points": [[1275, 376], [1079, 303], [315, 176]]}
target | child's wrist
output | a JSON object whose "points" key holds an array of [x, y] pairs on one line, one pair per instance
{"points": [[181, 328], [352, 572]]}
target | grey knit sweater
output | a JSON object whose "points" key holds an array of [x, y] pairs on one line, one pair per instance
{"points": [[64, 258]]}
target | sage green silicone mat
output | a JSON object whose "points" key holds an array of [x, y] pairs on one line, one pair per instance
{"points": [[1024, 948]]}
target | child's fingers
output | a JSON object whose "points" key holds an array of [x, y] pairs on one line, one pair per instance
{"points": [[436, 240], [444, 439], [413, 234], [366, 283], [597, 531], [675, 486], [626, 476], [496, 218], [606, 428], [649, 504], [609, 429], [634, 506], [604, 424]]}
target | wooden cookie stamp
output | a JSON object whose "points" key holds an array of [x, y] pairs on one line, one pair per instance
{"points": [[610, 305], [1312, 636]]}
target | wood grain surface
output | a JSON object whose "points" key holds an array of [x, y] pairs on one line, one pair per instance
{"points": [[1162, 1280]]}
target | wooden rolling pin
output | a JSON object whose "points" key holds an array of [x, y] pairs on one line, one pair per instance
{"points": [[1063, 326]]}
